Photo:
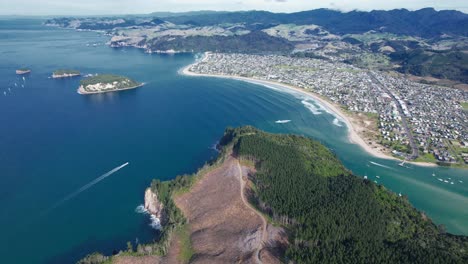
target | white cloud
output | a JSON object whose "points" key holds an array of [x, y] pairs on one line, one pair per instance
{"points": [[93, 7]]}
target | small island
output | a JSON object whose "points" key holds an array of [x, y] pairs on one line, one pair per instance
{"points": [[107, 83], [62, 73], [23, 71]]}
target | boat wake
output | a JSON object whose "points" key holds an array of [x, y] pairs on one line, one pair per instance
{"points": [[380, 165], [86, 187], [282, 121]]}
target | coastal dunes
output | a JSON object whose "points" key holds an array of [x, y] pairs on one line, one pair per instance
{"points": [[356, 125]]}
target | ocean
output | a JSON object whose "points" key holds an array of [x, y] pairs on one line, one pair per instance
{"points": [[54, 141]]}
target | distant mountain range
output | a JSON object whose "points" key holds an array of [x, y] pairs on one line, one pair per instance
{"points": [[426, 22], [191, 13], [426, 42]]}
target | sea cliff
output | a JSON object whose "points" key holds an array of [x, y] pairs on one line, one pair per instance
{"points": [[152, 203]]}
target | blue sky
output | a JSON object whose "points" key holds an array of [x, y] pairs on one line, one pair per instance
{"points": [[97, 7]]}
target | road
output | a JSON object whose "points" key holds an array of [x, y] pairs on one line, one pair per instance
{"points": [[264, 221], [404, 122]]}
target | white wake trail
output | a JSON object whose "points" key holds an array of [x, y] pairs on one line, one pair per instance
{"points": [[87, 186], [380, 165]]}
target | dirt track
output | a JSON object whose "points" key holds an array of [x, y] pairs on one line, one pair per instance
{"points": [[223, 228]]}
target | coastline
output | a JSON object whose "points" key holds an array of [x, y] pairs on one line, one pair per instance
{"points": [[83, 92], [353, 135], [21, 72], [54, 76]]}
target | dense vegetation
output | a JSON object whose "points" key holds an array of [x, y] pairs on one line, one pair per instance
{"points": [[172, 217], [172, 221], [425, 22], [120, 82], [451, 64], [333, 216], [254, 42]]}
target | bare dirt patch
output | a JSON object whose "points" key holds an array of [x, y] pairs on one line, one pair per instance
{"points": [[223, 229]]}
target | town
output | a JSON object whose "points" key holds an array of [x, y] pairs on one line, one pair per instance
{"points": [[415, 121]]}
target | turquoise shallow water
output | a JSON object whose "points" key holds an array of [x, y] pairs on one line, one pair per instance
{"points": [[53, 141]]}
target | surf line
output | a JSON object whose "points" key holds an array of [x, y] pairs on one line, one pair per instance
{"points": [[86, 187]]}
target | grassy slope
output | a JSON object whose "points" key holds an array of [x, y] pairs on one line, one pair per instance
{"points": [[465, 106]]}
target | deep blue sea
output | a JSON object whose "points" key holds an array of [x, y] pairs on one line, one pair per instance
{"points": [[54, 141]]}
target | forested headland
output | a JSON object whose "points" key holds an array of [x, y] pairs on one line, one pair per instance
{"points": [[331, 215], [328, 214]]}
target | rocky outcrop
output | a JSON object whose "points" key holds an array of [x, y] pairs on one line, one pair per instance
{"points": [[65, 75], [152, 204], [22, 71]]}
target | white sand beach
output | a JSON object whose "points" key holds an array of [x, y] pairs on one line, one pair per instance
{"points": [[353, 135]]}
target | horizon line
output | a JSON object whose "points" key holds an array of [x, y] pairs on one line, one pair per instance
{"points": [[228, 11]]}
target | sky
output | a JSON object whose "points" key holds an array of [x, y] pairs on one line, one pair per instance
{"points": [[109, 7]]}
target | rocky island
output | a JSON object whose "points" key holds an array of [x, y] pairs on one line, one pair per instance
{"points": [[107, 83], [23, 71], [62, 73]]}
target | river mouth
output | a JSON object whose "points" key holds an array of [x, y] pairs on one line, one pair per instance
{"points": [[53, 141]]}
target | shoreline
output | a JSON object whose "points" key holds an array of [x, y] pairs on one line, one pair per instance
{"points": [[353, 135], [21, 72], [83, 92], [54, 76]]}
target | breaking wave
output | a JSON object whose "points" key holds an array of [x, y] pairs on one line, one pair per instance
{"points": [[337, 122], [141, 209], [155, 222], [215, 147], [314, 109]]}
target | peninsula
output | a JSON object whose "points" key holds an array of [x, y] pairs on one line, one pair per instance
{"points": [[107, 83], [277, 198], [63, 73], [23, 71]]}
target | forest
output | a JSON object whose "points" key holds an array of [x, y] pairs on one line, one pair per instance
{"points": [[333, 216], [256, 42]]}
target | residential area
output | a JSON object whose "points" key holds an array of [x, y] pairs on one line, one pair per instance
{"points": [[415, 121]]}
